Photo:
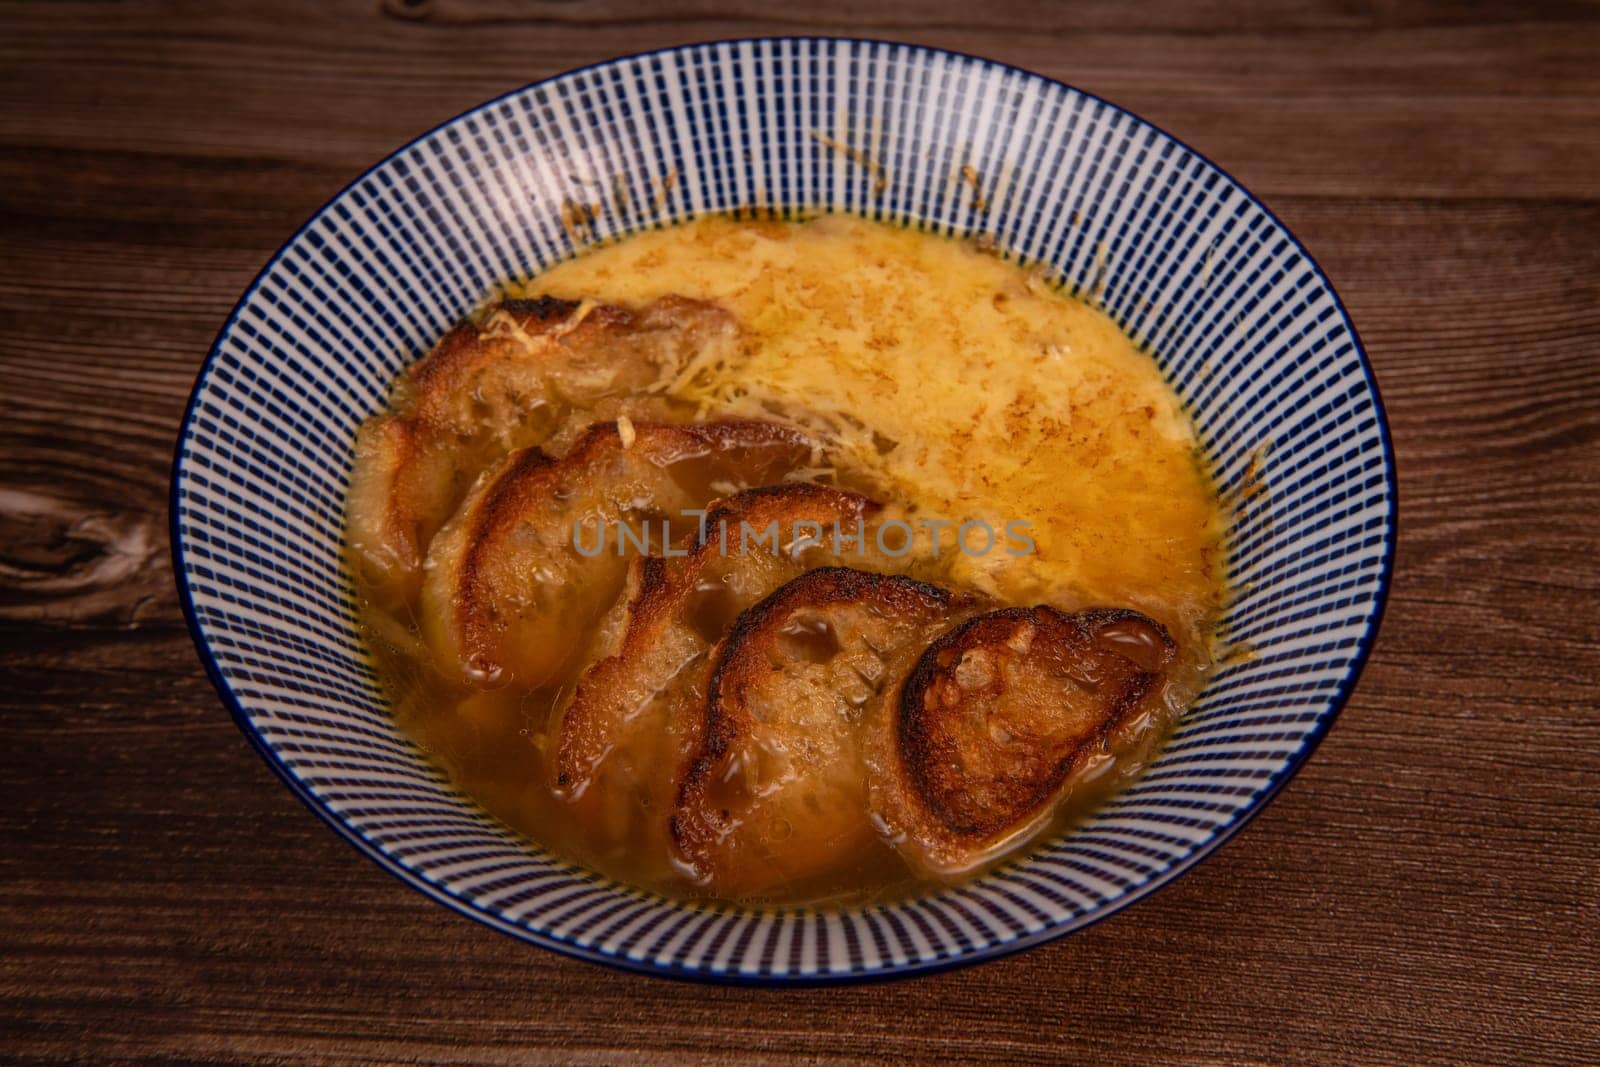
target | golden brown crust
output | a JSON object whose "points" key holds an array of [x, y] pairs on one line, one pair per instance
{"points": [[749, 652], [489, 388], [649, 681], [998, 716], [663, 587], [777, 791], [433, 383], [508, 590]]}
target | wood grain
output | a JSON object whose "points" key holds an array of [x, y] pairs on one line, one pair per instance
{"points": [[1426, 890]]}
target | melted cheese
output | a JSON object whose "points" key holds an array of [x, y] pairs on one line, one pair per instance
{"points": [[967, 386]]}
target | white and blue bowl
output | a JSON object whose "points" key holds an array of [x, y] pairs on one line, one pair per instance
{"points": [[1241, 320]]}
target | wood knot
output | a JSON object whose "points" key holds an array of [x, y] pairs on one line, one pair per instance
{"points": [[407, 9], [68, 562]]}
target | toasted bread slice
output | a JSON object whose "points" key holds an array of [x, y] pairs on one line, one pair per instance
{"points": [[777, 793], [621, 743], [488, 389], [536, 553], [996, 721]]}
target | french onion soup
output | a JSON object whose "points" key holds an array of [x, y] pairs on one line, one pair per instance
{"points": [[815, 562]]}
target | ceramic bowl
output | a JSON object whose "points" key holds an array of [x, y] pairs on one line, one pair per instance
{"points": [[1242, 322]]}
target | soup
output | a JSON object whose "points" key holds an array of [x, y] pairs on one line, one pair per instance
{"points": [[815, 562]]}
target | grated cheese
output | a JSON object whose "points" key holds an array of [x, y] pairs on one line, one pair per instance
{"points": [[962, 384]]}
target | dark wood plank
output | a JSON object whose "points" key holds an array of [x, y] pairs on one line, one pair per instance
{"points": [[1424, 892], [1438, 102]]}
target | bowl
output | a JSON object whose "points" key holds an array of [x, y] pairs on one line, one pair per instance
{"points": [[1242, 322]]}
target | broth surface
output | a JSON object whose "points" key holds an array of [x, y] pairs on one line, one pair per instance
{"points": [[957, 384]]}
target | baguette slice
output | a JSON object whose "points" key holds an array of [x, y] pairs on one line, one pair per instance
{"points": [[777, 793], [487, 389], [621, 743], [535, 554], [998, 720]]}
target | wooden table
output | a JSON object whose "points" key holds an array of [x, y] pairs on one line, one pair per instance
{"points": [[1428, 890]]}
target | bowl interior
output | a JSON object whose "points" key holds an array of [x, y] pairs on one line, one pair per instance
{"points": [[1240, 319]]}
